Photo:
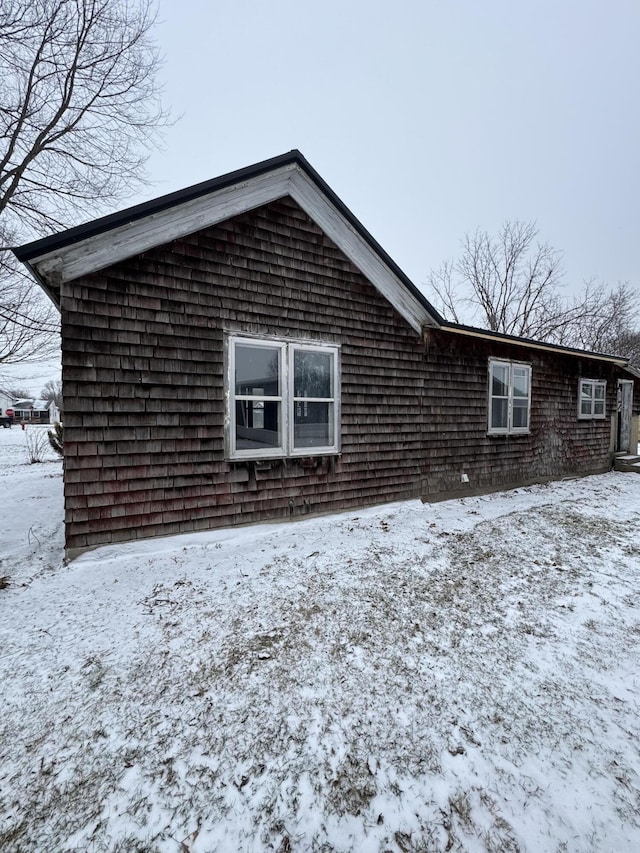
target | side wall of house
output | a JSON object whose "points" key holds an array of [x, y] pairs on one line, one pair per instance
{"points": [[558, 443], [144, 390]]}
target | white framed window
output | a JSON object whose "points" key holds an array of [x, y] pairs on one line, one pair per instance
{"points": [[509, 397], [283, 398], [592, 398]]}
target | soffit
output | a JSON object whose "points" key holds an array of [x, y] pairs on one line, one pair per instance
{"points": [[67, 261]]}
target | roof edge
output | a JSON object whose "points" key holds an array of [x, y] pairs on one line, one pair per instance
{"points": [[486, 334], [29, 253], [44, 245]]}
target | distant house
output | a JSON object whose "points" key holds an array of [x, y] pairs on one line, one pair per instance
{"points": [[6, 401], [245, 350], [35, 411]]}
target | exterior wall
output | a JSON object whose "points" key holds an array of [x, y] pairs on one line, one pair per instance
{"points": [[143, 379], [5, 403], [455, 427], [143, 382], [32, 416]]}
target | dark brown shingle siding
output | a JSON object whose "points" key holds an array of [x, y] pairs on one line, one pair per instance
{"points": [[144, 389]]}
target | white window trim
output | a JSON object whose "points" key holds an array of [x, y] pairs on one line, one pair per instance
{"points": [[509, 429], [287, 401], [230, 419], [593, 383]]}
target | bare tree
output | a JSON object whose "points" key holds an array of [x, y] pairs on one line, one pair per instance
{"points": [[512, 283], [613, 322], [52, 392], [28, 321], [79, 112], [16, 392]]}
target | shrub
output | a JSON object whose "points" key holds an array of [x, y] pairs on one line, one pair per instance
{"points": [[35, 444], [55, 438]]}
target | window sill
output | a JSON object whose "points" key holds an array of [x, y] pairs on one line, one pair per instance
{"points": [[308, 453]]}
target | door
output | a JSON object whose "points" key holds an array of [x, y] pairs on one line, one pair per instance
{"points": [[625, 400]]}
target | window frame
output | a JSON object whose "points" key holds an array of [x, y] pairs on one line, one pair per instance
{"points": [[509, 429], [592, 415], [286, 449], [232, 398]]}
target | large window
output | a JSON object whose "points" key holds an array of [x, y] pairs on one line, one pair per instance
{"points": [[592, 398], [283, 398], [509, 397]]}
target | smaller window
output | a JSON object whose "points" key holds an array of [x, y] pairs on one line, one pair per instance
{"points": [[509, 397], [592, 399]]}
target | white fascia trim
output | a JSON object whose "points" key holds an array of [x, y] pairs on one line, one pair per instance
{"points": [[126, 241], [355, 247]]}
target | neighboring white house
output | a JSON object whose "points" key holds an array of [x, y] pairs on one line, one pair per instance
{"points": [[5, 402], [37, 411]]}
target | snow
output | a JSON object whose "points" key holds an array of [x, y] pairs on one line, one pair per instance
{"points": [[457, 676]]}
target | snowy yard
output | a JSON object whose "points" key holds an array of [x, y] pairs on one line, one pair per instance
{"points": [[460, 676]]}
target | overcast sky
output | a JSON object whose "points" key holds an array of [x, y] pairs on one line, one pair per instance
{"points": [[428, 119]]}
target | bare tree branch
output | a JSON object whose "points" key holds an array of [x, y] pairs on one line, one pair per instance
{"points": [[79, 112], [512, 283], [448, 298], [52, 392]]}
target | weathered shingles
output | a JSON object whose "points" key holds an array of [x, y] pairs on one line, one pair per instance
{"points": [[144, 388]]}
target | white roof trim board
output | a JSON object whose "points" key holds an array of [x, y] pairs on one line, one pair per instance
{"points": [[99, 244], [132, 238]]}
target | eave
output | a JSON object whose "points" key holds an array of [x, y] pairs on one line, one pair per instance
{"points": [[99, 244], [528, 343]]}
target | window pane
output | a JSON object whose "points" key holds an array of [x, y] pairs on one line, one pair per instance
{"points": [[258, 411], [585, 407], [586, 389], [258, 425], [599, 391], [499, 414], [257, 368], [312, 373], [499, 380], [520, 382], [598, 407], [520, 413], [313, 425]]}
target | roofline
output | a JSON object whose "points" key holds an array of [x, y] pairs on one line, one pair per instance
{"points": [[44, 245], [31, 251], [485, 334]]}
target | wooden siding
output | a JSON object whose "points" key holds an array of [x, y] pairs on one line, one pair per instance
{"points": [[143, 378], [557, 444]]}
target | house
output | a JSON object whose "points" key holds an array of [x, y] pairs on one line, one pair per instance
{"points": [[245, 350], [35, 411], [6, 403]]}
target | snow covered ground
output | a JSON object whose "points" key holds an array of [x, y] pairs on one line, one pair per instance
{"points": [[459, 676]]}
